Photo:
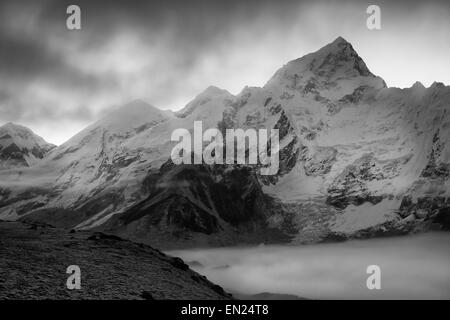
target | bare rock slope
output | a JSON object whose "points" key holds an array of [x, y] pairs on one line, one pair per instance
{"points": [[34, 258]]}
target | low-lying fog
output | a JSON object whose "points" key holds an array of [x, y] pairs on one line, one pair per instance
{"points": [[412, 267]]}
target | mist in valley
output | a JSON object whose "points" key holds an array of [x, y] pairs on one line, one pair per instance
{"points": [[412, 267]]}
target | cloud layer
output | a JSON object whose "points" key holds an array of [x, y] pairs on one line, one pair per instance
{"points": [[412, 267]]}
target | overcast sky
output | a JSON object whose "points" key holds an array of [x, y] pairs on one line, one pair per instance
{"points": [[57, 81]]}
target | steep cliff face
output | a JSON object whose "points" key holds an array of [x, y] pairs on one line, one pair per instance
{"points": [[200, 205], [357, 159]]}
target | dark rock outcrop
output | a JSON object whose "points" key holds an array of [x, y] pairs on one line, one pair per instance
{"points": [[188, 202], [111, 268]]}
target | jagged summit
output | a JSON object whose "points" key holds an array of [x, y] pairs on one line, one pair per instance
{"points": [[418, 85], [339, 46], [21, 135], [437, 84], [340, 40], [335, 66], [20, 147]]}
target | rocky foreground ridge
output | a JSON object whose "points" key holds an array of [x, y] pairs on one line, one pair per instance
{"points": [[34, 259]]}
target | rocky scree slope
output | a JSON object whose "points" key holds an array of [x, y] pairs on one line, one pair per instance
{"points": [[35, 258]]}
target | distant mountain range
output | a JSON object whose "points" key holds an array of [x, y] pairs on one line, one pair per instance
{"points": [[357, 159]]}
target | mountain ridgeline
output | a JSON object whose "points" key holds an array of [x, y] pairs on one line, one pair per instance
{"points": [[357, 159], [20, 147]]}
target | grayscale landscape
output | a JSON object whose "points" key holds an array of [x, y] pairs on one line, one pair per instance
{"points": [[364, 159]]}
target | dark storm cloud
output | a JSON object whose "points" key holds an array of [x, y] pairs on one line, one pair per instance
{"points": [[25, 61], [35, 44]]}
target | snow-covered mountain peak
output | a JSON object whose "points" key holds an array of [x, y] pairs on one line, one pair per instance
{"points": [[355, 159], [202, 102], [106, 137], [334, 69], [337, 56], [213, 91], [131, 115], [339, 40], [9, 126], [418, 85], [21, 136], [17, 131], [19, 146], [437, 84]]}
